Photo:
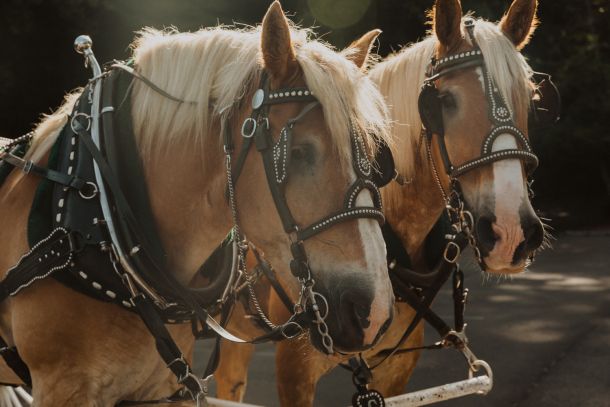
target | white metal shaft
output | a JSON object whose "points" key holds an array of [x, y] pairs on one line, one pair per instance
{"points": [[480, 384], [213, 402]]}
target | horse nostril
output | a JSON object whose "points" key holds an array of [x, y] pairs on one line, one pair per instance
{"points": [[534, 235], [486, 236], [359, 307]]}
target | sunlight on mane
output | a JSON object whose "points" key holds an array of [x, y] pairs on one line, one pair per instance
{"points": [[401, 75], [218, 67]]}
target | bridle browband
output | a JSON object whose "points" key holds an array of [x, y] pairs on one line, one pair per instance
{"points": [[500, 115]]}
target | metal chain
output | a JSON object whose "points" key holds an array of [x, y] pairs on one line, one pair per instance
{"points": [[307, 295], [437, 178], [320, 321], [464, 220]]}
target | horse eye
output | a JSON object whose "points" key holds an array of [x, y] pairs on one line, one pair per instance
{"points": [[447, 101], [303, 153]]}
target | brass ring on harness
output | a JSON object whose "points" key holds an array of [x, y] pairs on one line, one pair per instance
{"points": [[299, 330], [446, 253], [244, 130], [92, 188], [73, 121]]}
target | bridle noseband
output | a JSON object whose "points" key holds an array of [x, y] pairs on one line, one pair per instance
{"points": [[276, 160]]}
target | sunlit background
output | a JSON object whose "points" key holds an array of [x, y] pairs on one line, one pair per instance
{"points": [[38, 65]]}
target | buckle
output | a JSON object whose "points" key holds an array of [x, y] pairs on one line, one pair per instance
{"points": [[447, 255], [27, 167], [244, 127]]}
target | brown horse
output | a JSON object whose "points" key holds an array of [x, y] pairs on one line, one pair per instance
{"points": [[506, 227], [84, 352]]}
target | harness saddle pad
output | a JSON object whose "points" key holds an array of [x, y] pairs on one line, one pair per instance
{"points": [[91, 272]]}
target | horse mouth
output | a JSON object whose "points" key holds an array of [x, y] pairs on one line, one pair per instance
{"points": [[510, 269]]}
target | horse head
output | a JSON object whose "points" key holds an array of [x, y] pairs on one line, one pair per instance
{"points": [[475, 105], [273, 93]]}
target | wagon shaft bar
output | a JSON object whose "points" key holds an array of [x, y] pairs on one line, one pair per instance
{"points": [[479, 384], [214, 402]]}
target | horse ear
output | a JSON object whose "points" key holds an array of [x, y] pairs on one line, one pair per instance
{"points": [[519, 23], [358, 51], [278, 53], [446, 20]]}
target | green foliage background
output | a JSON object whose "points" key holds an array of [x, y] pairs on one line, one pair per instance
{"points": [[38, 65]]}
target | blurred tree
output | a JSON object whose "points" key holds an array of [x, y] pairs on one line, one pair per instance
{"points": [[572, 43]]}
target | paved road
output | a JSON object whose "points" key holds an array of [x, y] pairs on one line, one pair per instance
{"points": [[546, 334]]}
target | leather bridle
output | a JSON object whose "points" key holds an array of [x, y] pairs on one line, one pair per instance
{"points": [[276, 160], [500, 115]]}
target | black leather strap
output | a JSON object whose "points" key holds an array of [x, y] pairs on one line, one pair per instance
{"points": [[49, 255], [166, 347], [14, 361], [446, 268], [29, 167]]}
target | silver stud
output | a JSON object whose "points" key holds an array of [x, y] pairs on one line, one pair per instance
{"points": [[293, 93], [110, 294], [96, 285], [126, 304], [83, 275]]}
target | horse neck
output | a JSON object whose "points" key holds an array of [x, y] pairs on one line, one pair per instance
{"points": [[187, 196], [413, 209]]}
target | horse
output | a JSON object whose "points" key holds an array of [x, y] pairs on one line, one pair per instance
{"points": [[506, 229], [278, 87]]}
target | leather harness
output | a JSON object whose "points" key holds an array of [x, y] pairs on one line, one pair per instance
{"points": [[87, 162]]}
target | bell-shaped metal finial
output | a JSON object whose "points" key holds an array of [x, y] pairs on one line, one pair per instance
{"points": [[82, 43]]}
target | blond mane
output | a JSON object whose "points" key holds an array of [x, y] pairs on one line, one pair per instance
{"points": [[217, 67], [401, 75]]}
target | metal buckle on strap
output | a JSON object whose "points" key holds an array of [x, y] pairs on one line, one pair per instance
{"points": [[27, 167], [447, 255], [244, 130]]}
